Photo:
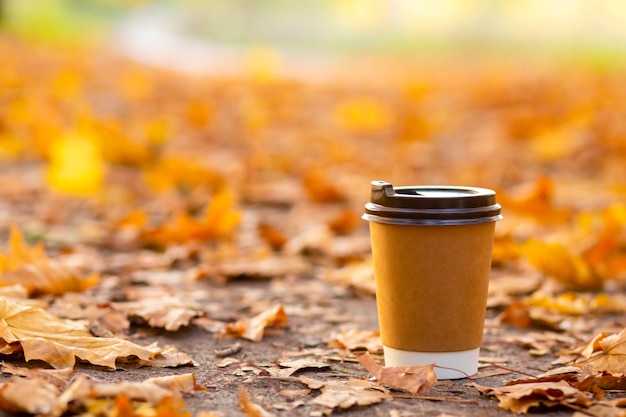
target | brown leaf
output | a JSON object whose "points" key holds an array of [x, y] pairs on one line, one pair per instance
{"points": [[606, 354], [57, 377], [185, 383], [355, 339], [33, 396], [168, 357], [58, 342], [150, 390], [170, 313], [293, 366], [520, 398], [346, 394], [416, 379]]}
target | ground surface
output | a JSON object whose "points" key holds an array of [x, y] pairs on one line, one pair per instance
{"points": [[332, 309]]}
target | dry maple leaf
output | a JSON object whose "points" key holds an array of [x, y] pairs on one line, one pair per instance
{"points": [[57, 377], [185, 383], [170, 313], [31, 268], [537, 202], [603, 409], [556, 261], [359, 276], [253, 328], [355, 339], [249, 408], [346, 394], [293, 366], [135, 398], [606, 354], [33, 396], [416, 379], [168, 357], [58, 342], [520, 398], [219, 220]]}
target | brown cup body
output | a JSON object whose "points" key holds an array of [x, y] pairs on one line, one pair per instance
{"points": [[431, 284]]}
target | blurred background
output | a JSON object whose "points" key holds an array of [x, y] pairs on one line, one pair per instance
{"points": [[323, 26], [160, 111]]}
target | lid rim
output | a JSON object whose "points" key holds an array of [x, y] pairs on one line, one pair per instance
{"points": [[403, 221]]}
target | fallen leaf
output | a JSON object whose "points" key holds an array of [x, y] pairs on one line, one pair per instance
{"points": [[416, 379], [253, 328], [30, 267], [520, 398], [170, 313], [293, 366], [346, 394], [359, 276], [126, 398], [218, 221], [45, 337], [57, 377], [168, 357], [556, 261], [605, 354], [603, 409], [185, 383], [538, 202], [249, 408], [33, 396], [355, 339]]}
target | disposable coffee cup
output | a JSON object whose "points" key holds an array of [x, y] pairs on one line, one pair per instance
{"points": [[431, 248]]}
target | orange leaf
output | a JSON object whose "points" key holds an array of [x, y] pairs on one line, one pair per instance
{"points": [[30, 267], [253, 328], [345, 222], [554, 260]]}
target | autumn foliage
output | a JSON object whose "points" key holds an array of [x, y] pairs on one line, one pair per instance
{"points": [[124, 187]]}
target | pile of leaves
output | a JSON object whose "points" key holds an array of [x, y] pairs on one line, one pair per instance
{"points": [[140, 185]]}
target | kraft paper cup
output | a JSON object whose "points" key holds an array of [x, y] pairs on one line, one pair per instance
{"points": [[431, 247]]}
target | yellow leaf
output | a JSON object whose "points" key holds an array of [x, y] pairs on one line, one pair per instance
{"points": [[362, 115], [552, 145], [554, 260], [11, 148], [76, 165]]}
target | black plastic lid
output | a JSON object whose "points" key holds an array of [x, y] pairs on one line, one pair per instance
{"points": [[431, 205]]}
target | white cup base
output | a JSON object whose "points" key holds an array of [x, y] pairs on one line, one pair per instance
{"points": [[450, 365]]}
